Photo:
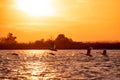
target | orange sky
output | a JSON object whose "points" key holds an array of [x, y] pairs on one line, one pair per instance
{"points": [[81, 20]]}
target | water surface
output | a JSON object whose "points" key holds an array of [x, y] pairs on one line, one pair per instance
{"points": [[60, 65]]}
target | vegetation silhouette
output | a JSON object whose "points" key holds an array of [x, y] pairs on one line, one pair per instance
{"points": [[10, 39], [61, 42]]}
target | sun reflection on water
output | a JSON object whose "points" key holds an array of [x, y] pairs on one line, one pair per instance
{"points": [[63, 65], [36, 68], [34, 78], [31, 65]]}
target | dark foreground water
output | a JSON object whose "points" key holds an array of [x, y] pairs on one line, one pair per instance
{"points": [[60, 65]]}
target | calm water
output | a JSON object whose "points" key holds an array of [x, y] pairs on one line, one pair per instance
{"points": [[60, 65]]}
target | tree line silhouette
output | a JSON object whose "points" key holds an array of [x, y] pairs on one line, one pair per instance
{"points": [[61, 42]]}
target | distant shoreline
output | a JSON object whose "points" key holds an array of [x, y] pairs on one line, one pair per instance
{"points": [[61, 42]]}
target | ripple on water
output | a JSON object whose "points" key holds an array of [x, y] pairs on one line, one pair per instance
{"points": [[64, 65]]}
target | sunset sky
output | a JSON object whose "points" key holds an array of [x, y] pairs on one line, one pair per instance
{"points": [[81, 20]]}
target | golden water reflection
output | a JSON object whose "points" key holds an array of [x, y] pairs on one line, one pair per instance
{"points": [[36, 69], [60, 65], [36, 66], [27, 65]]}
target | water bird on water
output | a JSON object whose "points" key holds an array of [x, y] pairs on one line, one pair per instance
{"points": [[104, 53], [89, 51], [52, 53], [15, 54]]}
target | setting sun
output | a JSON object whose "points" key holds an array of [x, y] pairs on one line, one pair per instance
{"points": [[36, 7], [82, 20]]}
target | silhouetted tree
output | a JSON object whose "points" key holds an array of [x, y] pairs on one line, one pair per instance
{"points": [[61, 37], [39, 43], [62, 42], [10, 39]]}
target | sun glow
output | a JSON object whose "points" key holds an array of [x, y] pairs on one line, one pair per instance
{"points": [[36, 7]]}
